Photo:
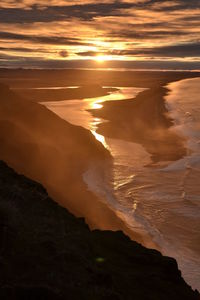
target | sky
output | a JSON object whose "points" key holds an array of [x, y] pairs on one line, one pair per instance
{"points": [[89, 33]]}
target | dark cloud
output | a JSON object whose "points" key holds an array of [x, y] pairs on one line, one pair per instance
{"points": [[87, 53], [143, 35], [173, 5], [63, 53], [190, 19], [7, 58], [59, 13], [181, 51], [17, 49], [54, 40], [27, 50], [88, 11]]}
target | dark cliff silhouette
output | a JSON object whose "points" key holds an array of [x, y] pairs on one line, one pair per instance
{"points": [[46, 253]]}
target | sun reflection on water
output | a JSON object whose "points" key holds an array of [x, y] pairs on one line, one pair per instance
{"points": [[134, 206], [78, 112], [96, 105], [96, 121], [99, 138]]}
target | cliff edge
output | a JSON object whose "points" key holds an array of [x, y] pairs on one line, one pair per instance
{"points": [[47, 253]]}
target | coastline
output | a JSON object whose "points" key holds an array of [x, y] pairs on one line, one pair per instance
{"points": [[40, 145], [143, 120], [106, 218]]}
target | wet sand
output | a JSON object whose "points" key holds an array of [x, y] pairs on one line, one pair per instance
{"points": [[143, 120]]}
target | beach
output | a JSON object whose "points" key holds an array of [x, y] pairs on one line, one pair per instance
{"points": [[126, 172]]}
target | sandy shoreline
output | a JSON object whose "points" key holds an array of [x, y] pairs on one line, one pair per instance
{"points": [[143, 120]]}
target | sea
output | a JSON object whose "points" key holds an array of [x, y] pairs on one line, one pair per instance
{"points": [[161, 202]]}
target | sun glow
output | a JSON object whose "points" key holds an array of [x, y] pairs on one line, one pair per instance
{"points": [[102, 58]]}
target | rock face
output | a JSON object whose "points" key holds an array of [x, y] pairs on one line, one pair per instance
{"points": [[47, 253]]}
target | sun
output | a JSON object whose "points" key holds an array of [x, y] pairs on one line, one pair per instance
{"points": [[102, 58]]}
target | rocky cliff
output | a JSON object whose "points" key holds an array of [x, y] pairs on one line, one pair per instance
{"points": [[47, 253]]}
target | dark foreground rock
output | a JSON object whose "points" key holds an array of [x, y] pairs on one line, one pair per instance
{"points": [[47, 253]]}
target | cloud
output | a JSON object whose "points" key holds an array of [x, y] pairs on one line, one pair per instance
{"points": [[59, 13], [179, 51], [63, 53], [54, 40], [9, 59], [17, 49], [143, 35], [155, 4], [40, 11], [141, 29], [88, 53], [173, 5], [27, 4]]}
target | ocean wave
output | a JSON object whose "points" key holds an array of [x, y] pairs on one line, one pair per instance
{"points": [[101, 185]]}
